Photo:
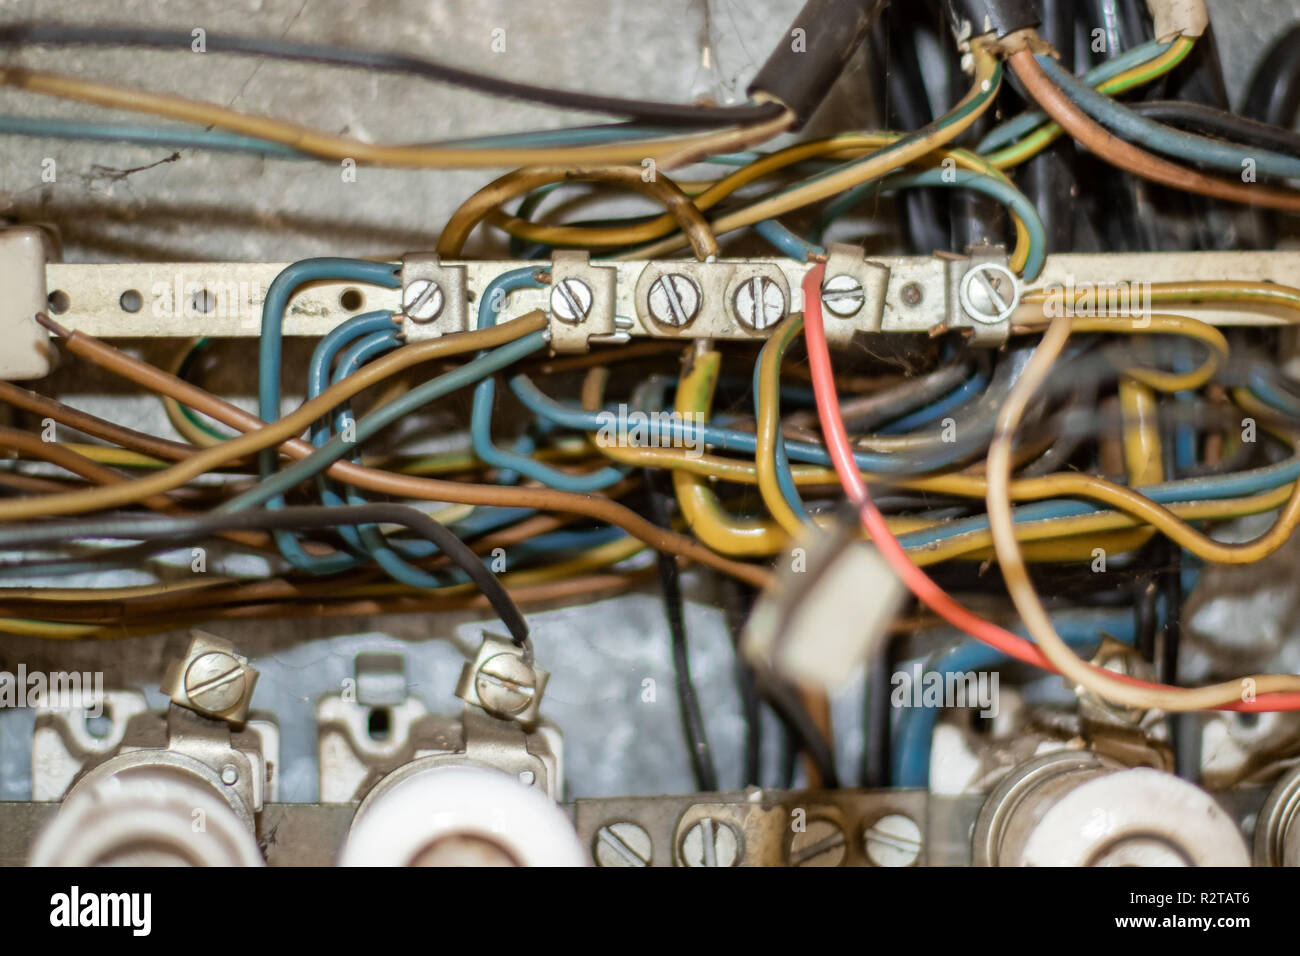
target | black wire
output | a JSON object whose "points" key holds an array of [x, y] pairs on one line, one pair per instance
{"points": [[789, 757], [876, 756], [179, 530], [1171, 589], [785, 700], [1274, 93], [1145, 609], [1200, 118], [735, 602], [670, 583], [1049, 178], [645, 111], [907, 106], [1184, 729], [801, 731]]}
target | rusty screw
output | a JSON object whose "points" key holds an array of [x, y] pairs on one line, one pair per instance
{"points": [[571, 300], [674, 300]]}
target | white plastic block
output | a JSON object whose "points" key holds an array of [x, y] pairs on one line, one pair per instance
{"points": [[25, 348]]}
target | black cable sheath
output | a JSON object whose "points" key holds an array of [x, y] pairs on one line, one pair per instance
{"points": [[1171, 589], [1274, 93], [670, 583], [159, 527], [878, 728], [1200, 118], [785, 700], [906, 105], [645, 111], [812, 53], [736, 600]]}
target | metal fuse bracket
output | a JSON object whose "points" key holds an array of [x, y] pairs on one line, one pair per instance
{"points": [[435, 297], [504, 681], [583, 301], [853, 293], [983, 294]]}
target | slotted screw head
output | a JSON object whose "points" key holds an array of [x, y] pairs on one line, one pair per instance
{"points": [[759, 303], [215, 682], [674, 300], [989, 293], [842, 295], [893, 840], [821, 843], [571, 300], [623, 844], [422, 300], [710, 843], [505, 684]]}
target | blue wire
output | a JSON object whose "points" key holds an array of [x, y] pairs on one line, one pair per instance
{"points": [[368, 339], [991, 186], [948, 403], [914, 726], [690, 432], [494, 297], [1265, 388], [1014, 129], [338, 447], [784, 477], [164, 136], [379, 339], [181, 137], [361, 327], [1165, 139], [786, 242], [268, 378], [1240, 484], [322, 358], [372, 540]]}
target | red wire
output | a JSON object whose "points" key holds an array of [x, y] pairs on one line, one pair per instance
{"points": [[918, 582]]}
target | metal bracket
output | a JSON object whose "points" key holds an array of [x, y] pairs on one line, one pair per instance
{"points": [[582, 303], [853, 293], [212, 679], [982, 295], [503, 681], [435, 297]]}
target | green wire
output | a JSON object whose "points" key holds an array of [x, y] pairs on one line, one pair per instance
{"points": [[190, 415], [1043, 137]]}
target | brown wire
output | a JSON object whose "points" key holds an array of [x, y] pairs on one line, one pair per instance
{"points": [[30, 484], [411, 486], [486, 202], [1118, 152], [91, 425], [595, 585], [78, 464]]}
